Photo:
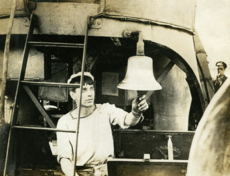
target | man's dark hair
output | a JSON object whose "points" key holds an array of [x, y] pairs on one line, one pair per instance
{"points": [[77, 80]]}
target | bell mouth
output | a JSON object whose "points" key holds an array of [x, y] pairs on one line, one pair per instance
{"points": [[135, 86]]}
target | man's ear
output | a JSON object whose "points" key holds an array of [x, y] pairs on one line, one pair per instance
{"points": [[72, 94]]}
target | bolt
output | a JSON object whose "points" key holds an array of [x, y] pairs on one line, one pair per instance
{"points": [[98, 22], [128, 33], [31, 5]]}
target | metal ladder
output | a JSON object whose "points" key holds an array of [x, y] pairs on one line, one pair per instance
{"points": [[25, 84]]}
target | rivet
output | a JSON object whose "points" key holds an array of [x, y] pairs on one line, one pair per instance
{"points": [[98, 22]]}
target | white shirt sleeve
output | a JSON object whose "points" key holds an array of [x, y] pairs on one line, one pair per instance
{"points": [[65, 149], [116, 115]]}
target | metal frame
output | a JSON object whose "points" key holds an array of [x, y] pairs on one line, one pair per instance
{"points": [[176, 58], [25, 84], [16, 100], [39, 106], [191, 77]]}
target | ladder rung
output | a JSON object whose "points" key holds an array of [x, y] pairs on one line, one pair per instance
{"points": [[50, 84], [56, 115], [44, 129], [56, 44]]}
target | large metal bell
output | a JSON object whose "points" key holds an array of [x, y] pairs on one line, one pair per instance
{"points": [[139, 75]]}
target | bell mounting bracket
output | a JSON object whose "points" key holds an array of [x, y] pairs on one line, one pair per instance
{"points": [[140, 44]]}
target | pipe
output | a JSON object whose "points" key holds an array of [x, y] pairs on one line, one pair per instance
{"points": [[5, 59], [170, 148], [79, 101]]}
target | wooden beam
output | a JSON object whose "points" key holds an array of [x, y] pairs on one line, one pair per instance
{"points": [[192, 78], [50, 84], [44, 129], [11, 137], [56, 44], [204, 72], [39, 106], [161, 77], [5, 60], [165, 71]]}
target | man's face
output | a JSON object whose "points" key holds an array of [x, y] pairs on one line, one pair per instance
{"points": [[88, 95], [221, 70]]}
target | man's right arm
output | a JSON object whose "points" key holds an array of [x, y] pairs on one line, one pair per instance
{"points": [[64, 148]]}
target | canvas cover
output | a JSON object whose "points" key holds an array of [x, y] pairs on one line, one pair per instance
{"points": [[175, 13]]}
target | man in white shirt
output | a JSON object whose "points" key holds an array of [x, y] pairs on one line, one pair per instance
{"points": [[95, 141]]}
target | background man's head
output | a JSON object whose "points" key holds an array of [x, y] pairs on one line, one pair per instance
{"points": [[221, 66], [88, 94]]}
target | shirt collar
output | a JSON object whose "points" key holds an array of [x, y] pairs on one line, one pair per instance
{"points": [[70, 113]]}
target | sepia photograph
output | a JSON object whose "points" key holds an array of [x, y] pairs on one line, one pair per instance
{"points": [[114, 88]]}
